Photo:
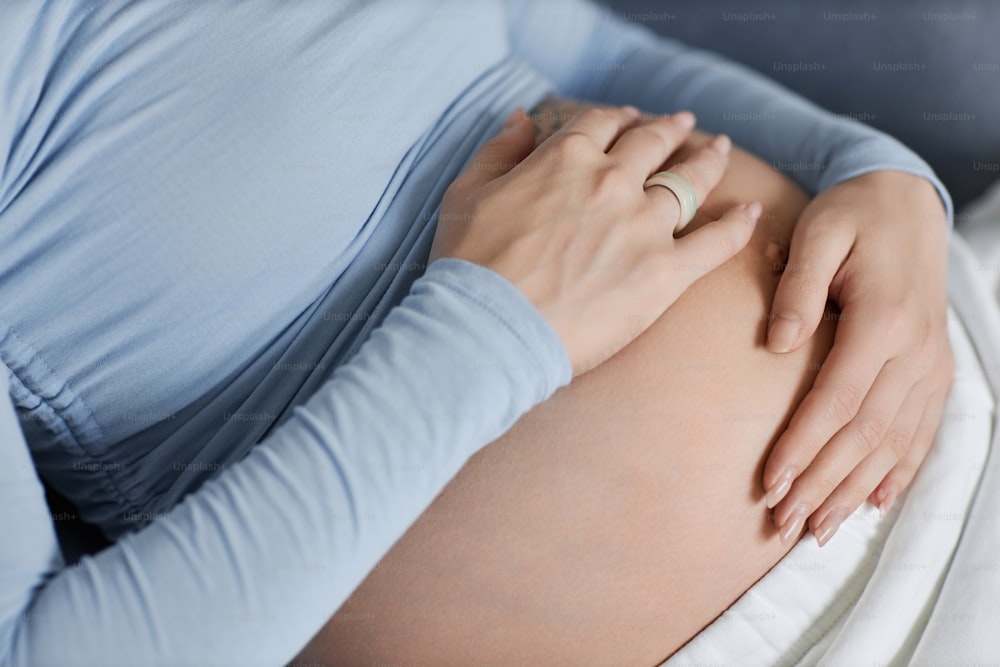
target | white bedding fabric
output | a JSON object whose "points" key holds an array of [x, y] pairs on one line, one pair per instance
{"points": [[920, 586]]}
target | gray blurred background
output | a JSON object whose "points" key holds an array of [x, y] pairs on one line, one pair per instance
{"points": [[947, 109]]}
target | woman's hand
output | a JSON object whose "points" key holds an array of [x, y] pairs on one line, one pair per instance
{"points": [[877, 246], [571, 226]]}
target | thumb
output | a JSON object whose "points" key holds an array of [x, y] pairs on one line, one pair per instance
{"points": [[501, 153], [800, 300], [713, 244]]}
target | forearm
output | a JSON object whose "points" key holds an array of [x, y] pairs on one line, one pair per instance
{"points": [[246, 569], [592, 55]]}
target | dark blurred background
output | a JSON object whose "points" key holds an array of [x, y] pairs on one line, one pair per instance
{"points": [[947, 107]]}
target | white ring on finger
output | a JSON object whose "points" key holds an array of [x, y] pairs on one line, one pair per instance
{"points": [[682, 189]]}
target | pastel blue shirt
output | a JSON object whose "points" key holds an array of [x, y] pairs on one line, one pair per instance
{"points": [[218, 331]]}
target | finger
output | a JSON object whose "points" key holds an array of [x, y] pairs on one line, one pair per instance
{"points": [[816, 254], [500, 154], [703, 170], [852, 444], [896, 481], [644, 147], [855, 360], [602, 125], [711, 245], [897, 445]]}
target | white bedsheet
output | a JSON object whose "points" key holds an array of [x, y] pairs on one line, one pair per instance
{"points": [[920, 586]]}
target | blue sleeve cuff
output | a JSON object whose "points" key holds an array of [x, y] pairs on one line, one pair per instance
{"points": [[883, 152], [500, 298]]}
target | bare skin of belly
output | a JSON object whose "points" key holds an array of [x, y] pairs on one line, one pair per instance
{"points": [[617, 519]]}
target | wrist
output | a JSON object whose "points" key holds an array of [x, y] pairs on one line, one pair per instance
{"points": [[918, 190]]}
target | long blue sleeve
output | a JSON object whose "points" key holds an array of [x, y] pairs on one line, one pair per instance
{"points": [[248, 568], [592, 54]]}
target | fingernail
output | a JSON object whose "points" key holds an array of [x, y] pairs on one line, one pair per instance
{"points": [[516, 116], [684, 119], [783, 332], [793, 526], [722, 144], [887, 500], [829, 526], [780, 487], [754, 210]]}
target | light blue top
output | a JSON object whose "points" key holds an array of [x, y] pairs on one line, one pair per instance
{"points": [[205, 209]]}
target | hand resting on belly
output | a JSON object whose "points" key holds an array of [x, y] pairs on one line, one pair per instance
{"points": [[618, 518]]}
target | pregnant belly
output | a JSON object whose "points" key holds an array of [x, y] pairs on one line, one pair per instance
{"points": [[620, 517]]}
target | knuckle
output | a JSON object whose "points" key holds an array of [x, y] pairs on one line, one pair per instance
{"points": [[898, 443], [602, 114], [650, 133], [867, 433], [844, 404], [572, 146]]}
